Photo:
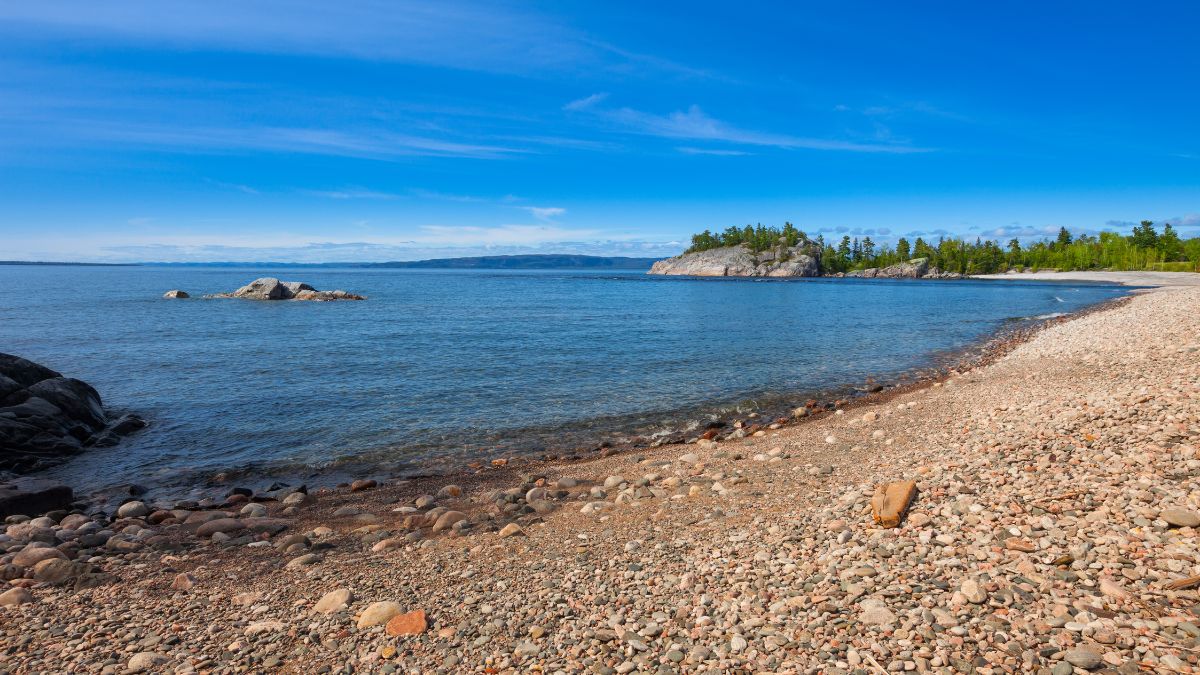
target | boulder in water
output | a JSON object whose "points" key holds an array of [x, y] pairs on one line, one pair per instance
{"points": [[270, 288], [176, 295]]}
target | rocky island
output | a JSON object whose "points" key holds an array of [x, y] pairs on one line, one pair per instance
{"points": [[788, 252], [800, 260], [270, 288]]}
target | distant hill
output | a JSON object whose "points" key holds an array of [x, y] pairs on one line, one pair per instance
{"points": [[73, 264], [479, 262], [525, 262]]}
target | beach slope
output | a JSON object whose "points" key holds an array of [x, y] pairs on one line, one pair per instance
{"points": [[1054, 529]]}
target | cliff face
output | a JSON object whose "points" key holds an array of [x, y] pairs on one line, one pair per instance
{"points": [[917, 268], [801, 260]]}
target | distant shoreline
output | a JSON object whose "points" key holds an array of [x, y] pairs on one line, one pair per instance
{"points": [[66, 264], [532, 261]]}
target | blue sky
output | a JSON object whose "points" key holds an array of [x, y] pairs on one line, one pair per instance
{"points": [[316, 131]]}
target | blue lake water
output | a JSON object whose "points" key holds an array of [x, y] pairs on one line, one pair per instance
{"points": [[441, 366]]}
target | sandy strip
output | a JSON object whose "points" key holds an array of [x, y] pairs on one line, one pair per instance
{"points": [[1157, 279], [1059, 496]]}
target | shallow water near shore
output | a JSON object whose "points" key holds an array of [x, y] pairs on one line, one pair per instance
{"points": [[440, 367]]}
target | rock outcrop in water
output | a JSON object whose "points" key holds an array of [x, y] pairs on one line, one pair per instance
{"points": [[46, 418], [802, 260], [270, 288]]}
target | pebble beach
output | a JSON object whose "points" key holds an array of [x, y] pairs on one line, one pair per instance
{"points": [[1054, 531]]}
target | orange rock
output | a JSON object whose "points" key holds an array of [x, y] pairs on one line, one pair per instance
{"points": [[891, 501], [412, 623], [1018, 544]]}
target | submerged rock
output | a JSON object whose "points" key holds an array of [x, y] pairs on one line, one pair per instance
{"points": [[45, 417], [270, 288]]}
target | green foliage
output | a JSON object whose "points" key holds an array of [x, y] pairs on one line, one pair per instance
{"points": [[757, 238], [1145, 248]]}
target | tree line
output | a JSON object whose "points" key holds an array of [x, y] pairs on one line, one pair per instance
{"points": [[1146, 248]]}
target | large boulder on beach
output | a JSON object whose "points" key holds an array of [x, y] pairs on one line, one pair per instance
{"points": [[270, 288], [45, 417], [801, 260]]}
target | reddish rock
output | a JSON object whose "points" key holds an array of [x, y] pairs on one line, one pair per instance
{"points": [[183, 582], [412, 623], [360, 485]]}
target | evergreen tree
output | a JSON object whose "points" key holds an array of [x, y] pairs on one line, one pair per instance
{"points": [[1064, 238], [1144, 235], [902, 250], [1169, 245]]}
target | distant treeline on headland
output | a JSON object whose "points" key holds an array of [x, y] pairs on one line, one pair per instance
{"points": [[1145, 249]]}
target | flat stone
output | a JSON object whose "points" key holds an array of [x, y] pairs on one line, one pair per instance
{"points": [[379, 613], [30, 555], [133, 510], [15, 596], [973, 592], [448, 519], [144, 662], [223, 525], [334, 601], [1177, 517], [1084, 657]]}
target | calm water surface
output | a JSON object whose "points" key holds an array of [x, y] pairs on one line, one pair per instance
{"points": [[441, 366]]}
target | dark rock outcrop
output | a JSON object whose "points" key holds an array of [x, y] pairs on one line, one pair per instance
{"points": [[30, 496], [45, 417], [270, 288], [176, 295], [801, 260]]}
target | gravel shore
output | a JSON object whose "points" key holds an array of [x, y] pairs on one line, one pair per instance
{"points": [[1165, 279], [1054, 532]]}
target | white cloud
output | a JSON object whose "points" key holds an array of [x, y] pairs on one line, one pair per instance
{"points": [[363, 144], [545, 212], [585, 102], [353, 193], [695, 124], [712, 151], [465, 34]]}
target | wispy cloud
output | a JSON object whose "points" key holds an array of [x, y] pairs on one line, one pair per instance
{"points": [[444, 196], [695, 124], [466, 34], [237, 187], [585, 102], [545, 212], [687, 150], [353, 193], [362, 144]]}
